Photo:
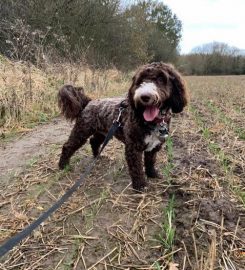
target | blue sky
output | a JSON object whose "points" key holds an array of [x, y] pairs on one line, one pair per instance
{"points": [[206, 21]]}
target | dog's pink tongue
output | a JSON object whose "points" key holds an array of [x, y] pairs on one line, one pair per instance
{"points": [[150, 113]]}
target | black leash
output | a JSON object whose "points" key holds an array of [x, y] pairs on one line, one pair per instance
{"points": [[13, 241]]}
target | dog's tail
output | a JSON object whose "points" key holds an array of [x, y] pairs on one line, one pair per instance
{"points": [[72, 101]]}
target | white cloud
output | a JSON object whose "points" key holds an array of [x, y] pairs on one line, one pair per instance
{"points": [[210, 20]]}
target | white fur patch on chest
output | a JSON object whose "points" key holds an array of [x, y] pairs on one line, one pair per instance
{"points": [[151, 141]]}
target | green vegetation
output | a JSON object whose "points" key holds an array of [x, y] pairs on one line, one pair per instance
{"points": [[166, 236], [167, 233], [100, 33], [224, 159], [226, 120], [169, 165], [213, 147]]}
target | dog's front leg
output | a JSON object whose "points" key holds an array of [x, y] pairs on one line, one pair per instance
{"points": [[135, 166], [150, 161]]}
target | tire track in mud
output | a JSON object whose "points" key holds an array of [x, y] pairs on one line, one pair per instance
{"points": [[202, 203]]}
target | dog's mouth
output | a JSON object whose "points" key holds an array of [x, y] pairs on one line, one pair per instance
{"points": [[150, 113]]}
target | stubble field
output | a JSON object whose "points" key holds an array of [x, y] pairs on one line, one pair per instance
{"points": [[193, 218]]}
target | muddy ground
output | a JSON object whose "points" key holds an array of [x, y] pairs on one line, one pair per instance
{"points": [[107, 225]]}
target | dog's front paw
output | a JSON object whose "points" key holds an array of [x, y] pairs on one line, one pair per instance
{"points": [[153, 173], [63, 164], [139, 185]]}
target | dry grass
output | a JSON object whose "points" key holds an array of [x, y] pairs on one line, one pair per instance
{"points": [[28, 95], [191, 219]]}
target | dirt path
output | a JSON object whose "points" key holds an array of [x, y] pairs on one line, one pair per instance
{"points": [[15, 155]]}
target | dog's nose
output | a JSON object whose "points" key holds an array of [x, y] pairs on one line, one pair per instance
{"points": [[145, 98]]}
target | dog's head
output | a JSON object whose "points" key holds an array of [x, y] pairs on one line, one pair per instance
{"points": [[155, 87]]}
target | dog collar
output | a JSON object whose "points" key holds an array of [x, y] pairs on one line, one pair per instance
{"points": [[160, 124], [162, 118]]}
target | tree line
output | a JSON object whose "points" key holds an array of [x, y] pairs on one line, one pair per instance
{"points": [[214, 58], [101, 33], [105, 34]]}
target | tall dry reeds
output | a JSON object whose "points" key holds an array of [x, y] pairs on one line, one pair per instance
{"points": [[28, 94]]}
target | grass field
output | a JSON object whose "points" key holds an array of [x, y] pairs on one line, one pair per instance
{"points": [[193, 218]]}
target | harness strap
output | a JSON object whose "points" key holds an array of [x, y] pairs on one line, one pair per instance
{"points": [[13, 241]]}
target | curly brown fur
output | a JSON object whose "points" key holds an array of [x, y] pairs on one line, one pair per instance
{"points": [[150, 160], [95, 141], [156, 89], [72, 101]]}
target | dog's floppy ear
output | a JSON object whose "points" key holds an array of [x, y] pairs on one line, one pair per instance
{"points": [[131, 91], [135, 81], [179, 97]]}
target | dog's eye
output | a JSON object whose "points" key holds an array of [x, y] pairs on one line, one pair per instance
{"points": [[139, 82], [161, 80]]}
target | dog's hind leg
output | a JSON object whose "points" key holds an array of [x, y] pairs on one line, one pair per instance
{"points": [[78, 138], [95, 141]]}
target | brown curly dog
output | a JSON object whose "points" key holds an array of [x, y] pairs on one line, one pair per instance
{"points": [[157, 90]]}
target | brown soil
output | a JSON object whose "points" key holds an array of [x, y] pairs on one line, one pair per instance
{"points": [[16, 154], [106, 225]]}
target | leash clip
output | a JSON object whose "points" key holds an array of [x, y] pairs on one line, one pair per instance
{"points": [[121, 109]]}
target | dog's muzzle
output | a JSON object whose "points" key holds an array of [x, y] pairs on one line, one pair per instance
{"points": [[146, 94]]}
